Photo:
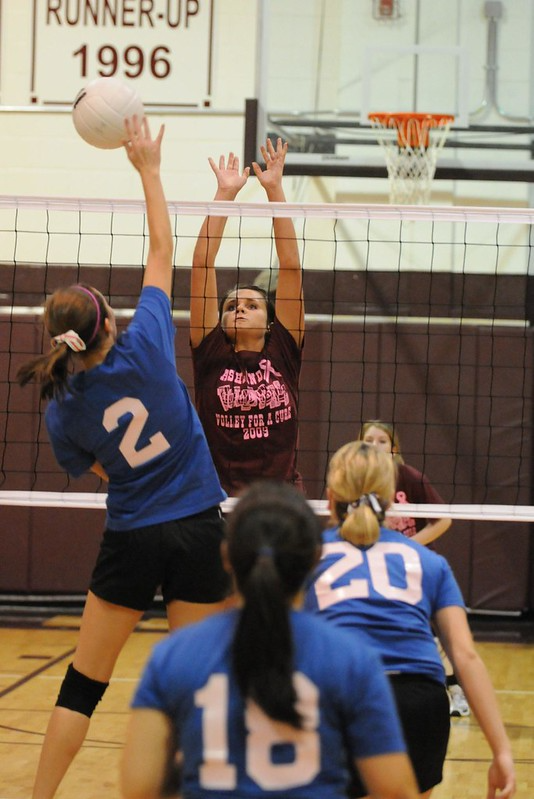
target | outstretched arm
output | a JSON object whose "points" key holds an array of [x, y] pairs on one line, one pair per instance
{"points": [[455, 636], [147, 754], [388, 776], [289, 296], [145, 155], [432, 530], [204, 299]]}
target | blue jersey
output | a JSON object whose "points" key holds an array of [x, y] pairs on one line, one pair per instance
{"points": [[133, 414], [389, 592], [231, 748]]}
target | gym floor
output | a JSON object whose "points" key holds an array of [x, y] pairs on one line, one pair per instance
{"points": [[37, 642]]}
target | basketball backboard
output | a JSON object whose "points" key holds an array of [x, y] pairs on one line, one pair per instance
{"points": [[318, 96]]}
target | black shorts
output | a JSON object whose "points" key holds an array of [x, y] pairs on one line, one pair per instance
{"points": [[182, 557], [423, 707]]}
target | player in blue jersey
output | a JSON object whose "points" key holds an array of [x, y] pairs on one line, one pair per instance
{"points": [[413, 486], [127, 416], [376, 582], [265, 701]]}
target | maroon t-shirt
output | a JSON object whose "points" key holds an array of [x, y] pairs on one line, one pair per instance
{"points": [[412, 487], [247, 403]]}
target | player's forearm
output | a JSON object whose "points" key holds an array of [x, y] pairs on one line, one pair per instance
{"points": [[432, 531], [480, 694], [159, 224], [285, 236], [211, 233]]}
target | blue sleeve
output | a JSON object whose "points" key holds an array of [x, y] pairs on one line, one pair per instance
{"points": [[152, 321], [150, 692], [71, 457], [449, 593]]}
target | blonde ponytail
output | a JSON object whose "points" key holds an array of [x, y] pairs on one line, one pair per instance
{"points": [[361, 481]]}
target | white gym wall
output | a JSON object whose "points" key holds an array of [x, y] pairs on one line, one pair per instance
{"points": [[314, 60]]}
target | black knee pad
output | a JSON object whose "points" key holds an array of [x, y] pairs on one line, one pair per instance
{"points": [[79, 692]]}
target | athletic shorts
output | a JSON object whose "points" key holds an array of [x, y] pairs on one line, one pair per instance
{"points": [[423, 707], [182, 557]]}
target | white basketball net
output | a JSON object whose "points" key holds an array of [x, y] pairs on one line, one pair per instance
{"points": [[411, 147]]}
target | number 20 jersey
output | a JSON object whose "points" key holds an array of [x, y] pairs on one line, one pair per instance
{"points": [[389, 591]]}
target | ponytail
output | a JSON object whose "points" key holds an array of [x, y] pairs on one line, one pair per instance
{"points": [[73, 318], [50, 370], [361, 480], [263, 644], [274, 540]]}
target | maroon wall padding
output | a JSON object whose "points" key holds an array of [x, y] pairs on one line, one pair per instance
{"points": [[15, 534], [64, 548], [461, 397]]}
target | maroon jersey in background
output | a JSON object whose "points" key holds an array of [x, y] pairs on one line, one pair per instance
{"points": [[413, 487], [247, 403]]}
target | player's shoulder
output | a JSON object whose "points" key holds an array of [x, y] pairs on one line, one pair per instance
{"points": [[388, 536], [321, 640], [281, 338], [409, 472], [154, 294], [214, 342], [428, 557], [197, 639], [153, 302], [59, 408]]}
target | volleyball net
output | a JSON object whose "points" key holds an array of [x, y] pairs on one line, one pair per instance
{"points": [[420, 316]]}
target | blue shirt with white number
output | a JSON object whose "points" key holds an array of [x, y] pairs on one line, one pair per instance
{"points": [[133, 415], [231, 748], [388, 592]]}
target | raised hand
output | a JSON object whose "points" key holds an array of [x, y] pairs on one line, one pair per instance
{"points": [[229, 179], [143, 151], [271, 177]]}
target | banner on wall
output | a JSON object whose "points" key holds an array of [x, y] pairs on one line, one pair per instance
{"points": [[162, 47]]}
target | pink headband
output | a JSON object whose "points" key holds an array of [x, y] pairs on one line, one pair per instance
{"points": [[97, 306]]}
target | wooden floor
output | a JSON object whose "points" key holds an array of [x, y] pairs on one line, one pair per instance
{"points": [[33, 661]]}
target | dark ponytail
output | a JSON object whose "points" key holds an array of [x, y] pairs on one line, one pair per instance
{"points": [[78, 309], [274, 539]]}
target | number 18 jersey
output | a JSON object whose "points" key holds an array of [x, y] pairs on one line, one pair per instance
{"points": [[232, 749]]}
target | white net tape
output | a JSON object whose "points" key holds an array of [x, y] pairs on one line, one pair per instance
{"points": [[71, 499]]}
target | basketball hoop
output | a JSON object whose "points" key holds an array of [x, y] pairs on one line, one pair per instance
{"points": [[411, 144]]}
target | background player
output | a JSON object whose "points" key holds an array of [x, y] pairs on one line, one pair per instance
{"points": [[412, 486], [246, 351]]}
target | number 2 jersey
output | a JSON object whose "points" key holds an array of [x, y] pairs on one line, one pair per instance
{"points": [[389, 592], [133, 414], [231, 748]]}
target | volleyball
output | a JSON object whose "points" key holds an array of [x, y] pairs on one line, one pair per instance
{"points": [[100, 109]]}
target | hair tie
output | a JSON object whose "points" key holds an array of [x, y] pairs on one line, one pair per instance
{"points": [[266, 552], [71, 339], [97, 306], [372, 501]]}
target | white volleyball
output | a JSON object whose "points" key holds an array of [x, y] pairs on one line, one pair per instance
{"points": [[100, 109]]}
